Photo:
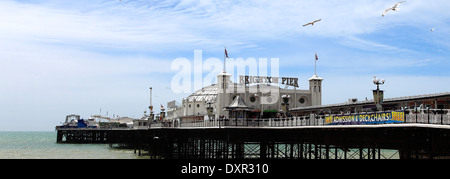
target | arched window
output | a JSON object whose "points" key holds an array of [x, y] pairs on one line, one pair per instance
{"points": [[301, 100]]}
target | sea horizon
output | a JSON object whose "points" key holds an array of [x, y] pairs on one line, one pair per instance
{"points": [[42, 145]]}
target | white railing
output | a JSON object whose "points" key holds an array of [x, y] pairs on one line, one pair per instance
{"points": [[249, 122], [431, 116]]}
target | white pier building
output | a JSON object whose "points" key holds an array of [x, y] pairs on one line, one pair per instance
{"points": [[250, 97]]}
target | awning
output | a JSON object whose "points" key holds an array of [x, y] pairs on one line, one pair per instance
{"points": [[238, 104]]}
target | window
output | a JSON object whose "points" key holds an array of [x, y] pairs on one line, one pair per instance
{"points": [[252, 99], [198, 105], [301, 100]]}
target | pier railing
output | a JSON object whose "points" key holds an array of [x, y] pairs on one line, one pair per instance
{"points": [[255, 122], [427, 116]]}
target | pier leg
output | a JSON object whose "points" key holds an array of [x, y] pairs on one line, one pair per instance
{"points": [[361, 153], [262, 150], [292, 151], [59, 136]]}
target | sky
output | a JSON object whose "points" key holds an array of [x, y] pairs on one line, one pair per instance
{"points": [[86, 56]]}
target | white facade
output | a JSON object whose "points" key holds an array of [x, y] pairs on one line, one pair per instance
{"points": [[315, 88]]}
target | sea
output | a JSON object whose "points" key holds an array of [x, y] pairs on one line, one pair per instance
{"points": [[42, 145]]}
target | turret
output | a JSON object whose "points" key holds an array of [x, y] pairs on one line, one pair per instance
{"points": [[315, 87], [223, 97]]}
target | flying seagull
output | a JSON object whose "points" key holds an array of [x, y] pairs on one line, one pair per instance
{"points": [[394, 8], [312, 23], [432, 30]]}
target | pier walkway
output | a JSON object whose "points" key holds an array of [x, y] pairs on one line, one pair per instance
{"points": [[414, 135]]}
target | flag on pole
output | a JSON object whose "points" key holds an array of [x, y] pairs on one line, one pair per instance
{"points": [[315, 63], [162, 107], [226, 54]]}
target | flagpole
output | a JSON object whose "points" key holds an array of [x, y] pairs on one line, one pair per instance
{"points": [[224, 60], [315, 64]]}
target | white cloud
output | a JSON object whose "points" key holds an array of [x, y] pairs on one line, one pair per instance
{"points": [[367, 45], [163, 24]]}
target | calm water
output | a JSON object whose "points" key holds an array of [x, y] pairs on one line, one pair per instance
{"points": [[42, 145]]}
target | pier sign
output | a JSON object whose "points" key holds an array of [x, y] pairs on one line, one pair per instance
{"points": [[369, 118], [268, 79]]}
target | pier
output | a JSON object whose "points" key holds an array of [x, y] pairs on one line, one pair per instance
{"points": [[418, 136]]}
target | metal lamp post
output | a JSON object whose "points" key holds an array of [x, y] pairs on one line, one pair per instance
{"points": [[285, 104], [152, 116], [378, 94], [210, 110]]}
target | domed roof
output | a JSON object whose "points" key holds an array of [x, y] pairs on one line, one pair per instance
{"points": [[208, 93]]}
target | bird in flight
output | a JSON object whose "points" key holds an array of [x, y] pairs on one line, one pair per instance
{"points": [[394, 8], [432, 30], [312, 23]]}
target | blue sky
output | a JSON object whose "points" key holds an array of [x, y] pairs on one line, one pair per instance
{"points": [[62, 57]]}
